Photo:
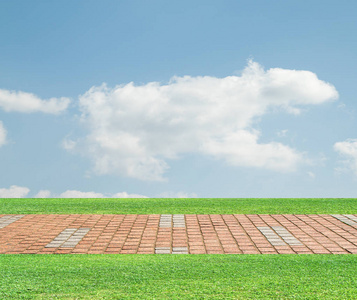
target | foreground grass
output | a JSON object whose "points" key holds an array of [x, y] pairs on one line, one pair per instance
{"points": [[178, 277], [182, 206]]}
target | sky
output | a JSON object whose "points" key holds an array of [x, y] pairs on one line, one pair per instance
{"points": [[211, 99]]}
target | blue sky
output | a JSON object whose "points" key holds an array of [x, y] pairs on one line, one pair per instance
{"points": [[178, 98]]}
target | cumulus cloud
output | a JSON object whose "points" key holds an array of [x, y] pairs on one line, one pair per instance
{"points": [[177, 195], [126, 195], [14, 192], [2, 134], [43, 194], [312, 175], [79, 194], [17, 101], [133, 130], [348, 150]]}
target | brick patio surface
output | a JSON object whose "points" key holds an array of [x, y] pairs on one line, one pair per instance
{"points": [[178, 234]]}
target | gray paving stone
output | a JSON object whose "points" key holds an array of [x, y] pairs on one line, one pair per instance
{"points": [[68, 238], [352, 217], [179, 221], [271, 236], [162, 252], [74, 240], [53, 245], [70, 230], [179, 248], [345, 220], [286, 236], [165, 221], [7, 220]]}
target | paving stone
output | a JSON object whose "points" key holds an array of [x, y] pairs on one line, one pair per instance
{"points": [[346, 219], [352, 217], [69, 237], [7, 220], [187, 234], [175, 221], [179, 248], [165, 221], [271, 236], [163, 250], [286, 236], [67, 245]]}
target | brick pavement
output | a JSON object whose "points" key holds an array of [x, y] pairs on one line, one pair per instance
{"points": [[178, 234]]}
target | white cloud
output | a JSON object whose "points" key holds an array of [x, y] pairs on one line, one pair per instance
{"points": [[21, 192], [242, 149], [29, 103], [43, 194], [68, 144], [348, 150], [14, 192], [126, 195], [2, 135], [79, 194], [312, 175], [134, 130], [177, 195]]}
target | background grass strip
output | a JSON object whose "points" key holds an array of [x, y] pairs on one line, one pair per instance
{"points": [[179, 206]]}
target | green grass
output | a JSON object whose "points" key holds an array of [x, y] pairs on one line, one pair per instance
{"points": [[183, 206], [178, 277]]}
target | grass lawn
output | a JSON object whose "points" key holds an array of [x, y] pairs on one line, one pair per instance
{"points": [[178, 276], [179, 206]]}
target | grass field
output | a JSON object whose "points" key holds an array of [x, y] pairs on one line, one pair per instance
{"points": [[178, 276], [179, 206]]}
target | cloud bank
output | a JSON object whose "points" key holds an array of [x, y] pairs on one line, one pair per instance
{"points": [[14, 192], [13, 101], [79, 194], [348, 150], [22, 192], [2, 135], [133, 130]]}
